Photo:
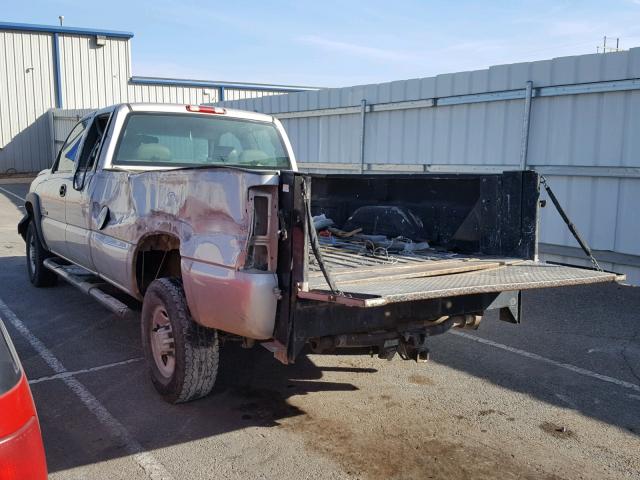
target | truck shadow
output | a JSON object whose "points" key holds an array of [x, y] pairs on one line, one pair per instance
{"points": [[575, 335], [252, 390], [259, 386]]}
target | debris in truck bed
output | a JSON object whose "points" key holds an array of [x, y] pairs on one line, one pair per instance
{"points": [[390, 221], [342, 234], [321, 222], [396, 244], [381, 248], [394, 221]]}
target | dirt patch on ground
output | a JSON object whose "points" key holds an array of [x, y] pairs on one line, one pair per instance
{"points": [[491, 411], [370, 449], [484, 413], [420, 380]]}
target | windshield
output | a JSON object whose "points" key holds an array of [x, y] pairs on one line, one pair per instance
{"points": [[180, 140]]}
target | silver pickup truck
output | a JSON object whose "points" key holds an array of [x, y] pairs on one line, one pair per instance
{"points": [[196, 219]]}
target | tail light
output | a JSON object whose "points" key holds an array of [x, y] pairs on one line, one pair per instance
{"points": [[21, 450], [22, 454], [206, 109], [263, 242]]}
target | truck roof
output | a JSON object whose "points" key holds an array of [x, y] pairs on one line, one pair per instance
{"points": [[181, 108]]}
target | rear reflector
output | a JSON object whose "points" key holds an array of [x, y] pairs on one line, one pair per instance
{"points": [[206, 109]]}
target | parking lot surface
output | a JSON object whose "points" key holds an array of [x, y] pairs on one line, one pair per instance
{"points": [[557, 396]]}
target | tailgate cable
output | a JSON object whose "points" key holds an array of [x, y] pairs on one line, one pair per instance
{"points": [[315, 244], [572, 227]]}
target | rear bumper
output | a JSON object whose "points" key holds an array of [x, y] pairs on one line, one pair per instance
{"points": [[242, 303]]}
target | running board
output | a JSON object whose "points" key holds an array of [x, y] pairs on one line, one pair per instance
{"points": [[90, 284]]}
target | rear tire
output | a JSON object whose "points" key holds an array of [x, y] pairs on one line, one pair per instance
{"points": [[39, 275], [181, 355]]}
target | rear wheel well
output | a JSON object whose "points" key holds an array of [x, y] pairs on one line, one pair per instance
{"points": [[157, 256]]}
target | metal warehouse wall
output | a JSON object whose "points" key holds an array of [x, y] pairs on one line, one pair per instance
{"points": [[583, 123], [90, 76]]}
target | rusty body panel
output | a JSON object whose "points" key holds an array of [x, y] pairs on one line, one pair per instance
{"points": [[205, 212]]}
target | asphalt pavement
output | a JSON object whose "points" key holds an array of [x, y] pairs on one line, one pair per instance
{"points": [[557, 396]]}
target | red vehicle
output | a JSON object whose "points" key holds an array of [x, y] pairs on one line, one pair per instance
{"points": [[21, 450]]}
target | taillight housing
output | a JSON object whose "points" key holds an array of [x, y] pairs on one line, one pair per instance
{"points": [[262, 246], [206, 109]]}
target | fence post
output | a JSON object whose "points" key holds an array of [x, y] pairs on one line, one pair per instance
{"points": [[52, 134], [526, 117], [363, 111]]}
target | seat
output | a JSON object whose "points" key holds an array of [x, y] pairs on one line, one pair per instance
{"points": [[253, 156]]}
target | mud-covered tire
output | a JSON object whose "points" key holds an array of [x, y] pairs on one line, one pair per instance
{"points": [[39, 275], [195, 348]]}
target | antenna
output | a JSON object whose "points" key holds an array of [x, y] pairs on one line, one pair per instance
{"points": [[61, 18]]}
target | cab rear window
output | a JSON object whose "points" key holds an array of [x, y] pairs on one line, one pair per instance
{"points": [[184, 140], [9, 367]]}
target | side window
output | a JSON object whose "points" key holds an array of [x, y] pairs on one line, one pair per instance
{"points": [[92, 142], [69, 151]]}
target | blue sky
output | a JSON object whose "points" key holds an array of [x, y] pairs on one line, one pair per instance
{"points": [[340, 43]]}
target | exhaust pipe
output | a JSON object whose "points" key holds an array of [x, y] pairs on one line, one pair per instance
{"points": [[467, 321]]}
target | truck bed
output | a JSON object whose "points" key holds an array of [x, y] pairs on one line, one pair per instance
{"points": [[407, 256], [367, 279]]}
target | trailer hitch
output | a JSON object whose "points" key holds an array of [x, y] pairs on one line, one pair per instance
{"points": [[414, 347]]}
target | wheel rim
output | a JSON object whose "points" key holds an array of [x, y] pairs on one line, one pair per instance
{"points": [[162, 344], [32, 253]]}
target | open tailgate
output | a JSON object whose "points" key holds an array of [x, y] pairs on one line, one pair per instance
{"points": [[385, 286]]}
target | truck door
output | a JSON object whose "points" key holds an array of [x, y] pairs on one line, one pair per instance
{"points": [[53, 191], [78, 198]]}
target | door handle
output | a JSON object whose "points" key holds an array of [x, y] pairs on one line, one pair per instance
{"points": [[63, 189]]}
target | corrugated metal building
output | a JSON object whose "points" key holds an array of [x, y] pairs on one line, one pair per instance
{"points": [[574, 119], [44, 67]]}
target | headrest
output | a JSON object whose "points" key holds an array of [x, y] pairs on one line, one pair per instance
{"points": [[153, 151]]}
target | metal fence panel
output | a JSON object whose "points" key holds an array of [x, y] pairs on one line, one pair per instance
{"points": [[63, 122]]}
